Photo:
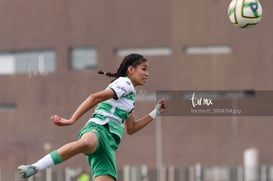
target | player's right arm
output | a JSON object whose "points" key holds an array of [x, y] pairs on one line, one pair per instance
{"points": [[85, 106]]}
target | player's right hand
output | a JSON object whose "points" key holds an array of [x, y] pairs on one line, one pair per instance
{"points": [[59, 121]]}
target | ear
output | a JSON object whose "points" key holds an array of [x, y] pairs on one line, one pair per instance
{"points": [[130, 69]]}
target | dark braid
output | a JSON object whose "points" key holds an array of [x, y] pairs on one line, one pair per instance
{"points": [[129, 60], [109, 74]]}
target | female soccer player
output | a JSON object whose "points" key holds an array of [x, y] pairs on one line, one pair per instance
{"points": [[101, 135]]}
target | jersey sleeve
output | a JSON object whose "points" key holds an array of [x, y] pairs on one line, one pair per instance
{"points": [[121, 87]]}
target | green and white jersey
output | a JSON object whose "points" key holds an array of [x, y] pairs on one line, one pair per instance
{"points": [[116, 110]]}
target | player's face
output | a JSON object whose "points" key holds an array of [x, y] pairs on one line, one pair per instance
{"points": [[139, 74]]}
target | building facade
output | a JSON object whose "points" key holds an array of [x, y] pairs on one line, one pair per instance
{"points": [[50, 53]]}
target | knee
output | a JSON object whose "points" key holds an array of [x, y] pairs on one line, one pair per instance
{"points": [[88, 143]]}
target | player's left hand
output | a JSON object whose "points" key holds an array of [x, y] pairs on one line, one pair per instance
{"points": [[162, 106]]}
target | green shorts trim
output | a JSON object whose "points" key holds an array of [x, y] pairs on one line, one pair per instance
{"points": [[103, 160]]}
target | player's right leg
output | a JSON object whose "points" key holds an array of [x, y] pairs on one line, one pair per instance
{"points": [[86, 144]]}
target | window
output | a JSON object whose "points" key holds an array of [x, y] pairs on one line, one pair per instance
{"points": [[144, 51], [203, 50], [7, 107], [7, 64], [33, 62], [83, 58]]}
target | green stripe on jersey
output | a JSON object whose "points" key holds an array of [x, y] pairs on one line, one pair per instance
{"points": [[99, 116], [104, 106], [131, 96], [122, 114]]}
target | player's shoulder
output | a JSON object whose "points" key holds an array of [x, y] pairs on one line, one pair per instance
{"points": [[123, 80]]}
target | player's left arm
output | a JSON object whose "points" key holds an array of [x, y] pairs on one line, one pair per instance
{"points": [[132, 125]]}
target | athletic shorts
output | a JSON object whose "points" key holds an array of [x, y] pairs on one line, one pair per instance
{"points": [[103, 160]]}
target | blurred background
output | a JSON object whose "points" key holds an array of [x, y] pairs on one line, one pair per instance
{"points": [[50, 52]]}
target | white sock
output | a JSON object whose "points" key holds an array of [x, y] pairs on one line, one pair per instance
{"points": [[44, 162]]}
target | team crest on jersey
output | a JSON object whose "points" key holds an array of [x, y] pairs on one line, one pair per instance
{"points": [[128, 82]]}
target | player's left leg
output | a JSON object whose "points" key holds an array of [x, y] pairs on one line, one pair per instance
{"points": [[104, 178], [87, 144]]}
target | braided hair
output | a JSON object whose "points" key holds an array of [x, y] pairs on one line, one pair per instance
{"points": [[130, 60]]}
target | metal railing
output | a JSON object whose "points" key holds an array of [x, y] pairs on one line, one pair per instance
{"points": [[143, 173]]}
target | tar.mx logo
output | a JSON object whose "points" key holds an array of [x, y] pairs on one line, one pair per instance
{"points": [[200, 101], [32, 72], [38, 68]]}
